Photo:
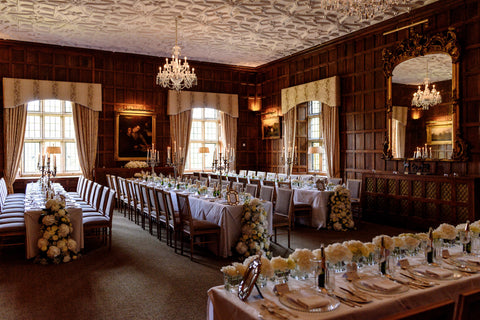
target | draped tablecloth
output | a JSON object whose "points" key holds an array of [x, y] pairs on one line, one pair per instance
{"points": [[32, 228], [229, 218], [319, 202], [226, 305]]}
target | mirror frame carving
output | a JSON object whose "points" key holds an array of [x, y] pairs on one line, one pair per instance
{"points": [[419, 45]]}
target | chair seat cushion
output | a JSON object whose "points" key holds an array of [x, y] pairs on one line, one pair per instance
{"points": [[95, 219], [14, 210], [16, 195], [12, 220], [91, 214], [17, 214], [88, 209], [12, 227]]}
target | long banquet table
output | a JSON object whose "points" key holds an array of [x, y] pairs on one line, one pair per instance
{"points": [[319, 202], [226, 305], [228, 217], [32, 226]]}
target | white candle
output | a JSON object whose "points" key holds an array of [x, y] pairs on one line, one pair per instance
{"points": [[157, 158], [148, 154]]}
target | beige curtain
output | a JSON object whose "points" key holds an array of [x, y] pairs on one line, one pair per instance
{"points": [[180, 125], [399, 128], [86, 133], [14, 121], [290, 124], [331, 138], [229, 135]]}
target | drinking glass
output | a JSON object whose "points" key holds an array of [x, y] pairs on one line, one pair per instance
{"points": [[464, 238], [330, 280]]}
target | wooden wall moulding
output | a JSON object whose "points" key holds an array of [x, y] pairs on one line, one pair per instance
{"points": [[419, 201]]}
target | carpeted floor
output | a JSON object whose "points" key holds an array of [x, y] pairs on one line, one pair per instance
{"points": [[140, 278]]}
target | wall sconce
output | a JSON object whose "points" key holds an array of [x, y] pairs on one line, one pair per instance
{"points": [[254, 104], [416, 114]]}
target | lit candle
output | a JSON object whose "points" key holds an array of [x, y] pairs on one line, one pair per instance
{"points": [[148, 154], [157, 158]]}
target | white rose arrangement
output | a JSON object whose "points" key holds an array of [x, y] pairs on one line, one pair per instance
{"points": [[55, 243], [445, 231], [303, 259], [136, 164], [282, 264], [340, 210], [357, 248], [254, 238], [411, 240], [337, 252], [475, 227], [387, 242]]}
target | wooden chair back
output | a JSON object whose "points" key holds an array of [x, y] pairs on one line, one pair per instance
{"points": [[436, 311], [184, 210], [467, 306], [355, 187], [252, 189], [266, 193]]}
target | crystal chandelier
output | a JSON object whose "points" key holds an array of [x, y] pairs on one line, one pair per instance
{"points": [[426, 98], [175, 74], [364, 9]]}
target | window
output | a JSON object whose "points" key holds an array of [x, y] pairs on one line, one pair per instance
{"points": [[316, 161], [50, 123], [204, 133]]}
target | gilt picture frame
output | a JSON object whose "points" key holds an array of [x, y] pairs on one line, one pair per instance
{"points": [[271, 128], [439, 133], [135, 131]]}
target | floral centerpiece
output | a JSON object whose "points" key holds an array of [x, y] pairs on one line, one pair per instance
{"points": [[136, 164], [303, 259], [340, 210], [445, 231], [56, 244], [254, 238], [357, 248], [233, 275]]}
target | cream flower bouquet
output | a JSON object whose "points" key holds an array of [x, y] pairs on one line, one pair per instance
{"points": [[340, 210], [56, 244]]}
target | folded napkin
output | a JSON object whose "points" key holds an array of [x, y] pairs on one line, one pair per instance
{"points": [[307, 300], [434, 272], [381, 284], [472, 260]]}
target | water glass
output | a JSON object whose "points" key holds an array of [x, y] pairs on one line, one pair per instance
{"points": [[330, 280]]}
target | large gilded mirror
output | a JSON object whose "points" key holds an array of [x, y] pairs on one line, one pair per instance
{"points": [[422, 99]]}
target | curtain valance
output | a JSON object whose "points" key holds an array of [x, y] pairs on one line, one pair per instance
{"points": [[20, 91], [180, 101], [326, 91]]}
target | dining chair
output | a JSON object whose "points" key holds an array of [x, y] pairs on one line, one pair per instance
{"points": [[251, 173], [261, 174], [101, 223], [96, 196], [270, 176], [126, 200], [467, 306], [242, 173], [147, 209], [270, 183], [213, 183], [138, 209], [118, 190], [266, 193], [282, 214], [335, 181], [232, 178], [194, 228], [14, 232], [252, 189], [237, 186], [282, 176], [78, 190], [243, 181], [355, 187], [174, 225], [284, 184], [226, 184], [158, 205], [442, 310]]}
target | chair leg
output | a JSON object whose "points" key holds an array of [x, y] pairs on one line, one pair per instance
{"points": [[275, 235], [191, 247], [288, 237]]}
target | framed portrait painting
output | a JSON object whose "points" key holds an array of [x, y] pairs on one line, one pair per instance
{"points": [[271, 128], [439, 132], [134, 135]]}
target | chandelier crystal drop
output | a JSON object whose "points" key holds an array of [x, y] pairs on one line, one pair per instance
{"points": [[426, 98], [176, 74]]}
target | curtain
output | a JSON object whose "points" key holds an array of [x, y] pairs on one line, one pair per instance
{"points": [[399, 128], [229, 135], [290, 124], [86, 133], [180, 125], [14, 121], [331, 138]]}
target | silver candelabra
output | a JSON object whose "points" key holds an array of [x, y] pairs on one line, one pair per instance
{"points": [[289, 161]]}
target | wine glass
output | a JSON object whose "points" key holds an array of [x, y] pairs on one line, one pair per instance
{"points": [[330, 280], [464, 238]]}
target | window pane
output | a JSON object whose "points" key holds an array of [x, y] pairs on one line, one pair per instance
{"points": [[314, 128], [197, 113], [314, 108], [54, 106], [30, 156], [196, 132], [209, 156], [68, 107], [194, 157], [71, 158], [211, 131], [33, 106], [32, 127], [53, 127], [69, 129], [210, 113]]}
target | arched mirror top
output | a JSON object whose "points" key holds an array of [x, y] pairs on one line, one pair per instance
{"points": [[406, 66]]}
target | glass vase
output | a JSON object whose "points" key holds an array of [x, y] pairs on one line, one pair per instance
{"points": [[262, 280], [231, 283], [299, 274], [281, 276]]}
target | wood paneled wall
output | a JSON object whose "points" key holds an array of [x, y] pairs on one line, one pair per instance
{"points": [[357, 59], [129, 80]]}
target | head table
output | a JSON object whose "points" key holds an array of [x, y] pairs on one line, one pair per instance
{"points": [[223, 304]]}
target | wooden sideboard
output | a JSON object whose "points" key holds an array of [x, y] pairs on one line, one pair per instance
{"points": [[419, 201], [100, 173]]}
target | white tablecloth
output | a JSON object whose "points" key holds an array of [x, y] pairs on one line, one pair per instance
{"points": [[319, 202], [32, 228], [226, 305], [229, 218]]}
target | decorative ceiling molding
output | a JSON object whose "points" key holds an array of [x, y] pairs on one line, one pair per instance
{"points": [[413, 71], [237, 32]]}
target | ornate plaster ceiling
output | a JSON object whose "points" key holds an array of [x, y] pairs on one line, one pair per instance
{"points": [[413, 71], [238, 32]]}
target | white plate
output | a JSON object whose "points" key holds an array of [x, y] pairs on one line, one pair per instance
{"points": [[332, 305], [359, 283]]}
